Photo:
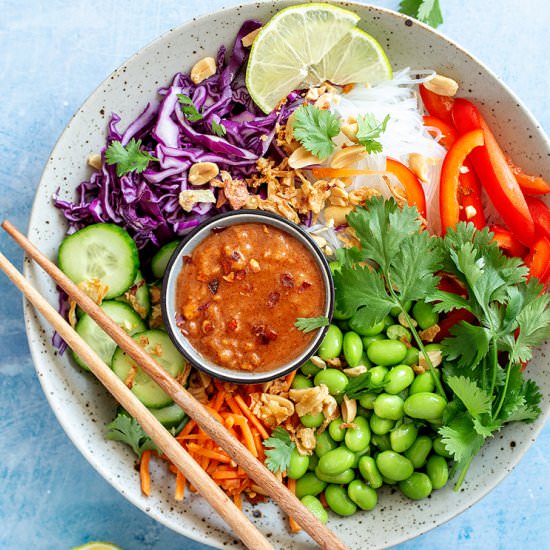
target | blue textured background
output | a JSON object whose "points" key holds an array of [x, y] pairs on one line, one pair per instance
{"points": [[52, 55]]}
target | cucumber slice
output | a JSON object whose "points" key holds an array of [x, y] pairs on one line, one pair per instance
{"points": [[103, 251], [140, 300], [104, 345], [159, 346], [169, 416], [161, 258]]}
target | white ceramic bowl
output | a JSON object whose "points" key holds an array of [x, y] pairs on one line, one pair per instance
{"points": [[83, 407]]}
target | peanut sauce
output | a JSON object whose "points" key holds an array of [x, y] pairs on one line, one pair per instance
{"points": [[240, 292]]}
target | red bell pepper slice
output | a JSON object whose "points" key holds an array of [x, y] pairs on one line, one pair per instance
{"points": [[541, 216], [538, 260], [449, 201], [472, 206], [508, 242], [412, 185], [448, 132], [439, 106], [496, 177], [453, 318], [531, 185]]}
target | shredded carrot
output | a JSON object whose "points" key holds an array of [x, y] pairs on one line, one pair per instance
{"points": [[188, 428], [232, 404], [180, 486], [238, 501], [242, 422], [217, 402], [144, 475], [214, 413], [345, 172], [290, 379], [227, 475], [222, 457], [294, 527], [258, 444], [248, 413], [323, 500], [190, 437]]}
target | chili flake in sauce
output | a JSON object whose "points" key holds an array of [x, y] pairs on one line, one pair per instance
{"points": [[240, 292]]}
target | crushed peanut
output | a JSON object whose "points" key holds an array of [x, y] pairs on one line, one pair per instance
{"points": [[442, 85], [349, 156], [202, 172], [353, 372], [349, 409], [248, 39], [429, 334], [203, 69], [301, 158], [189, 197], [95, 161]]}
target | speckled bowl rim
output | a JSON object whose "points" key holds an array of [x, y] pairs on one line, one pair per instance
{"points": [[168, 299], [199, 535]]}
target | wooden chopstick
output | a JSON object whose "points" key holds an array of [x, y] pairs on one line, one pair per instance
{"points": [[225, 507], [319, 532]]}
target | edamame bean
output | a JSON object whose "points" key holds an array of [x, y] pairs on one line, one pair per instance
{"points": [[422, 383], [336, 432], [353, 348], [364, 496], [331, 346], [338, 500], [368, 400], [309, 484], [388, 321], [369, 471], [425, 406], [335, 380], [335, 461], [297, 465], [382, 441], [396, 310], [314, 505], [312, 420], [313, 461], [343, 478], [389, 406], [387, 352], [389, 480], [417, 486], [418, 452], [365, 360], [340, 315], [359, 454], [368, 340], [398, 332], [377, 376], [357, 324], [358, 439], [403, 437], [380, 426], [324, 444], [412, 357], [309, 369], [440, 449], [301, 382], [398, 378], [394, 465], [424, 315], [438, 471]]}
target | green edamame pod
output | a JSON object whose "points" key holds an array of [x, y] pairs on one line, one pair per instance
{"points": [[389, 406], [422, 383], [368, 340], [297, 465], [377, 376], [360, 454], [367, 400], [331, 346], [382, 441], [335, 461], [424, 315], [398, 332], [394, 465], [313, 461], [309, 484], [301, 382], [358, 439], [418, 452], [425, 406], [353, 348], [338, 500], [380, 426], [343, 478], [364, 496], [387, 352], [324, 444], [312, 420], [403, 437], [309, 369], [336, 432], [417, 486], [335, 380], [438, 471], [357, 324], [412, 357], [396, 310], [370, 472], [388, 321], [440, 449], [314, 505], [398, 378]]}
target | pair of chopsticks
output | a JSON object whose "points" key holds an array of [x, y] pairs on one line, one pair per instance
{"points": [[221, 503]]}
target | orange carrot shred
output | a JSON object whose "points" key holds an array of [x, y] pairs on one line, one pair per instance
{"points": [[188, 428], [208, 453], [144, 475], [217, 402], [248, 413], [289, 379], [294, 527], [180, 486]]}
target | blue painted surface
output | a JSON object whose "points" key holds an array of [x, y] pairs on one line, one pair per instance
{"points": [[52, 55]]}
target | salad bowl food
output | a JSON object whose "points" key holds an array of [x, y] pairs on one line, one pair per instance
{"points": [[83, 407]]}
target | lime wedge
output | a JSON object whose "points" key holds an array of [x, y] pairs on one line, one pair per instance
{"points": [[97, 545], [288, 45], [357, 57]]}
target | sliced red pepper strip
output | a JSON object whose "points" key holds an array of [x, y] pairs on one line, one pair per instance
{"points": [[531, 185], [447, 131], [449, 205], [412, 185], [439, 106], [538, 260], [541, 216], [496, 177], [472, 206], [451, 320], [508, 242]]}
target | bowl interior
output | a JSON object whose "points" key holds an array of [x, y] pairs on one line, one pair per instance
{"points": [[83, 406], [169, 295]]}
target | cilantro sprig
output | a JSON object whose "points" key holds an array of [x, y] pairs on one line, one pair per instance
{"points": [[128, 430], [314, 128], [427, 11], [279, 448], [218, 128], [369, 130], [188, 108], [309, 324], [128, 159]]}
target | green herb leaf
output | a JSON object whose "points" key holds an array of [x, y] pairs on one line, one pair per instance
{"points": [[461, 439], [279, 448], [128, 430], [128, 159], [308, 324], [188, 108], [427, 11], [522, 398], [368, 130], [314, 128], [476, 401], [218, 129], [469, 344], [362, 384]]}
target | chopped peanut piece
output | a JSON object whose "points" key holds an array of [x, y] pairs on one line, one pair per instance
{"points": [[442, 85], [203, 69]]}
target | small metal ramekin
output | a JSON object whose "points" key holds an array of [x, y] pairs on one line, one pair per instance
{"points": [[168, 300]]}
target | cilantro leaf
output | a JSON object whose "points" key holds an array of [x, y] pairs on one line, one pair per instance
{"points": [[279, 448], [314, 128], [427, 11], [522, 398], [368, 130], [188, 108], [461, 440], [476, 401], [128, 430], [447, 301], [128, 159], [468, 344], [308, 324], [218, 129], [362, 384]]}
